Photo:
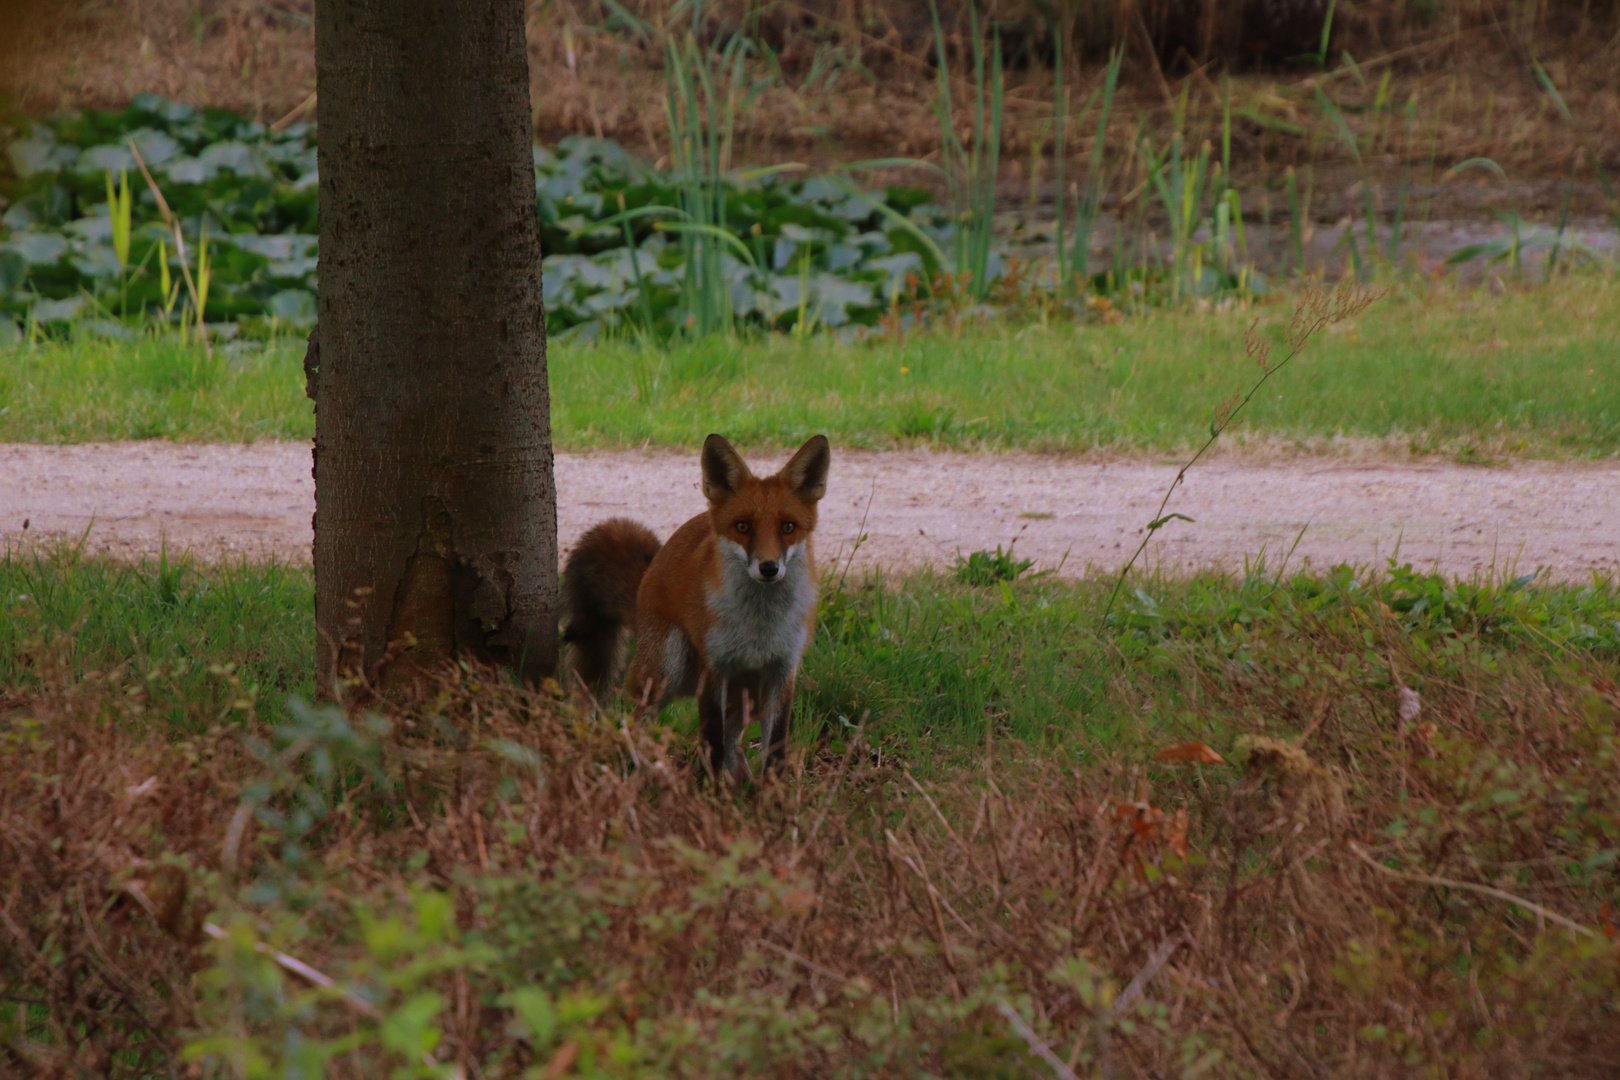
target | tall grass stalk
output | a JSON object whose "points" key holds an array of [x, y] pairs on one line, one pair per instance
{"points": [[970, 175], [204, 277], [1369, 214], [173, 224], [1317, 310], [1406, 181], [701, 124], [1296, 218], [119, 217], [1228, 202], [1180, 183], [1609, 190], [635, 266], [1075, 261]]}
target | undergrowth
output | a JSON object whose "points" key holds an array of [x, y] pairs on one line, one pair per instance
{"points": [[1357, 824]]}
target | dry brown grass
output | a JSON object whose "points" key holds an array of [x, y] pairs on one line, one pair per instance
{"points": [[1468, 67], [1266, 918]]}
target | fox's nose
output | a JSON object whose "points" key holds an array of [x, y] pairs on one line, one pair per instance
{"points": [[769, 570]]}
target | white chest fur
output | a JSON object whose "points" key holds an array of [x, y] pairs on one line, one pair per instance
{"points": [[759, 624]]}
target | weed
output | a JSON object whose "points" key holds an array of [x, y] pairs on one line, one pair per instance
{"points": [[703, 88], [1315, 313], [990, 567]]}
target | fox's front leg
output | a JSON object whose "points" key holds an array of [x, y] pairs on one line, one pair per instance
{"points": [[711, 721], [776, 714]]}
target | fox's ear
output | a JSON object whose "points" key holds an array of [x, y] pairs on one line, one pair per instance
{"points": [[806, 473], [723, 470]]}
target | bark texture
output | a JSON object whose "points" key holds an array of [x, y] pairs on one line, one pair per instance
{"points": [[436, 515]]}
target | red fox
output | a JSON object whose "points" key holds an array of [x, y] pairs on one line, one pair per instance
{"points": [[721, 612]]}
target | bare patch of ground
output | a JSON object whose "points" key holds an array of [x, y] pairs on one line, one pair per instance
{"points": [[918, 507]]}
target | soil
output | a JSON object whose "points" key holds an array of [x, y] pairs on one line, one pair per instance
{"points": [[913, 507]]}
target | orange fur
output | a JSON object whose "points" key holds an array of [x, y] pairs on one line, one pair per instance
{"points": [[726, 606], [599, 584]]}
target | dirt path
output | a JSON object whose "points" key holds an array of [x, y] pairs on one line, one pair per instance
{"points": [[924, 507]]}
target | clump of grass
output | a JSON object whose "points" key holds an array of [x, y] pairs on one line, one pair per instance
{"points": [[990, 567], [704, 85], [971, 173]]}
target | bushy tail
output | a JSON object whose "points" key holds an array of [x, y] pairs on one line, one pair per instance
{"points": [[599, 583]]}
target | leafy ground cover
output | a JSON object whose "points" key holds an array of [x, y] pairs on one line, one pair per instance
{"points": [[87, 239], [806, 250], [1366, 821], [1437, 370]]}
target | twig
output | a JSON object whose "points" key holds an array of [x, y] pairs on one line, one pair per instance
{"points": [[906, 771], [1380, 61], [283, 960], [1036, 1044], [934, 901], [1149, 972], [1153, 58], [1484, 890], [810, 965], [297, 110]]}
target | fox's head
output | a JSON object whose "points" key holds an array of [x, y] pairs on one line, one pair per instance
{"points": [[766, 521]]}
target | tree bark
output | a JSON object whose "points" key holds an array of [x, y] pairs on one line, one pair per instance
{"points": [[436, 515]]}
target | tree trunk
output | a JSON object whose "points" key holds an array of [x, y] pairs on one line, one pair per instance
{"points": [[436, 514]]}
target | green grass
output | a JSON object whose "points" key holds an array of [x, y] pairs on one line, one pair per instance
{"points": [[95, 390], [187, 636], [933, 664], [939, 665], [1459, 372]]}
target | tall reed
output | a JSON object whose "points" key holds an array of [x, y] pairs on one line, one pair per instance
{"points": [[701, 100], [1180, 182], [970, 175], [1072, 261]]}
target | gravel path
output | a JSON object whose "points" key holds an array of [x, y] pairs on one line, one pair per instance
{"points": [[924, 507]]}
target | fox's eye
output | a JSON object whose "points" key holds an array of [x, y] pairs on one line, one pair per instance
{"points": [[787, 527], [742, 527]]}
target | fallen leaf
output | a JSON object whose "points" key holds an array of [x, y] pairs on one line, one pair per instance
{"points": [[1190, 751]]}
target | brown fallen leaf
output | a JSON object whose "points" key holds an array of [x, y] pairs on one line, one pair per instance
{"points": [[1190, 751]]}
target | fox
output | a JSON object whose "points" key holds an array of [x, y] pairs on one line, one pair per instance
{"points": [[722, 611]]}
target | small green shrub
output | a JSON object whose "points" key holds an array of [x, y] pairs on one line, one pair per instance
{"points": [[990, 567]]}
